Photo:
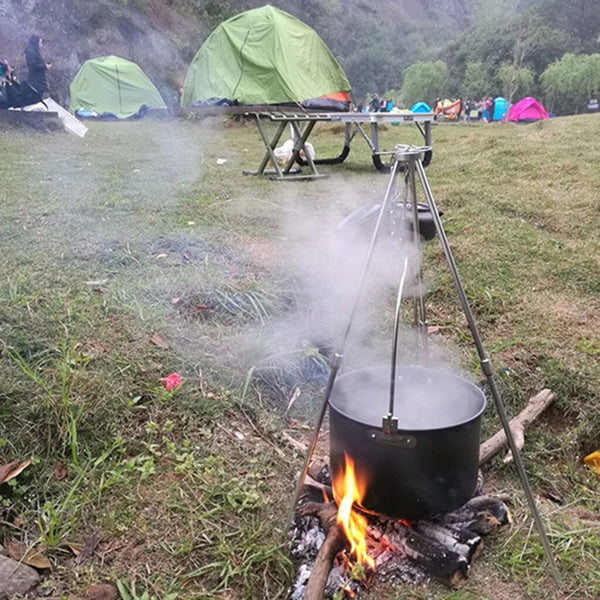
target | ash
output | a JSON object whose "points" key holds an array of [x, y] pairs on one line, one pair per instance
{"points": [[307, 537]]}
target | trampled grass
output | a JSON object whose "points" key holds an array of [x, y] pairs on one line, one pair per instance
{"points": [[134, 253]]}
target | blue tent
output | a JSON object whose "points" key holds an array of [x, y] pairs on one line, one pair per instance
{"points": [[500, 109], [420, 107]]}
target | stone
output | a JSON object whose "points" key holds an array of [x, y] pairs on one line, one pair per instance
{"points": [[16, 578]]}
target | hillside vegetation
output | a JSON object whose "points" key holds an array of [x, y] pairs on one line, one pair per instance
{"points": [[489, 47]]}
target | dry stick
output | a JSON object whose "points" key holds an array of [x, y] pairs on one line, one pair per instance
{"points": [[334, 542], [295, 444], [535, 407]]}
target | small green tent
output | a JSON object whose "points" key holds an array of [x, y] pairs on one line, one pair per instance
{"points": [[114, 86], [265, 56]]}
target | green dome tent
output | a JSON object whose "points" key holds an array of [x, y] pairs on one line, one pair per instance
{"points": [[114, 86], [265, 56]]}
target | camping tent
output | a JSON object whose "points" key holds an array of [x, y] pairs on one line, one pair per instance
{"points": [[448, 108], [110, 85], [420, 107], [527, 110], [500, 108], [265, 56]]}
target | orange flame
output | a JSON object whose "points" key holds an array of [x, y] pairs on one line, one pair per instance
{"points": [[348, 490]]}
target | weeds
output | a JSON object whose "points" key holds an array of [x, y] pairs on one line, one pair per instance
{"points": [[129, 592], [58, 397]]}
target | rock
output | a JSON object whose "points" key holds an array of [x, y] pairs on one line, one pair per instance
{"points": [[16, 578]]}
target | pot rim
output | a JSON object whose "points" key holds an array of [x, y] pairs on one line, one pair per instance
{"points": [[427, 372]]}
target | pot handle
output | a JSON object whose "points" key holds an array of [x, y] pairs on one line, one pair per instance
{"points": [[400, 440], [388, 420]]}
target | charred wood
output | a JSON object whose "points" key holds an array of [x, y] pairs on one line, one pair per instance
{"points": [[319, 470], [313, 483], [436, 559], [492, 505], [462, 541]]}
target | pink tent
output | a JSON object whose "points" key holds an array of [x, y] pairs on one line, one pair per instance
{"points": [[528, 109]]}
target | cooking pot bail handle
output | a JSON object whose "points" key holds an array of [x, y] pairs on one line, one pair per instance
{"points": [[389, 422]]}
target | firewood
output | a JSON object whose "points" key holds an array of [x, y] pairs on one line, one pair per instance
{"points": [[493, 505], [535, 407], [319, 486], [481, 523], [334, 542], [326, 513], [442, 547], [319, 470], [436, 559], [462, 541]]}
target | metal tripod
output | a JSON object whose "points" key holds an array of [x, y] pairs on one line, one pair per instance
{"points": [[409, 160]]}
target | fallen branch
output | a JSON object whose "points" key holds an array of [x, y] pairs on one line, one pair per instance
{"points": [[535, 407]]}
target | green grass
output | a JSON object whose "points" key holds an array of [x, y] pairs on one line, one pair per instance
{"points": [[136, 231]]}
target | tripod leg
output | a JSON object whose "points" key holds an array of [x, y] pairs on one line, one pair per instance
{"points": [[420, 318], [488, 371]]}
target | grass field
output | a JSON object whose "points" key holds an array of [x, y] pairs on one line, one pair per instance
{"points": [[134, 253]]}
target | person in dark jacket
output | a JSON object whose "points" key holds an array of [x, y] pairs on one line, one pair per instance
{"points": [[375, 103], [36, 66]]}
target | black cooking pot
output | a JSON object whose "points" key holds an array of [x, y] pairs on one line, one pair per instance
{"points": [[430, 464]]}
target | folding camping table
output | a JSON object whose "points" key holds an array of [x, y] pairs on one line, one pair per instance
{"points": [[302, 125]]}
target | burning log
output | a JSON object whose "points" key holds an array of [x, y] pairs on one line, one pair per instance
{"points": [[535, 407]]}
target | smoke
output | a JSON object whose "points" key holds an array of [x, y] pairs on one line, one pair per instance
{"points": [[326, 252]]}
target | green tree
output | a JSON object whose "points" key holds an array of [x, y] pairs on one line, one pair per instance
{"points": [[424, 81], [569, 82], [475, 83], [528, 32]]}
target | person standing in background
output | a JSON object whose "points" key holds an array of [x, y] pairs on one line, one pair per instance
{"points": [[375, 104], [36, 66], [491, 109]]}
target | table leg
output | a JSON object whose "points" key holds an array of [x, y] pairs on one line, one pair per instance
{"points": [[270, 146]]}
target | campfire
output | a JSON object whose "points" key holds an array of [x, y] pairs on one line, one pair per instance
{"points": [[341, 549]]}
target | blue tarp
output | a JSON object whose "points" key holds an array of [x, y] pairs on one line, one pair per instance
{"points": [[420, 107]]}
